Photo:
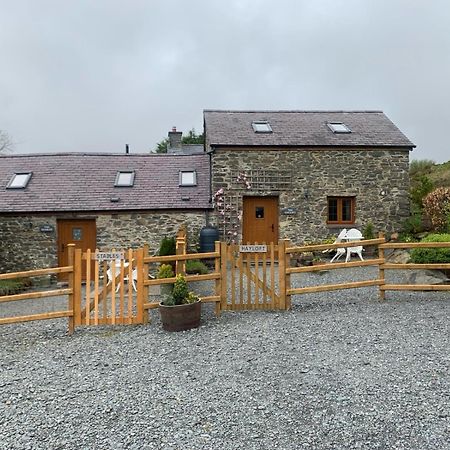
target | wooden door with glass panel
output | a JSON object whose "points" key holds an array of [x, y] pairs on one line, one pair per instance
{"points": [[260, 220], [82, 233]]}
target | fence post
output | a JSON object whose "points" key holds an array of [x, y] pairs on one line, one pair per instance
{"points": [[218, 287], [381, 270], [287, 263], [77, 267], [223, 275], [282, 273], [180, 266], [140, 285], [70, 262], [145, 287]]}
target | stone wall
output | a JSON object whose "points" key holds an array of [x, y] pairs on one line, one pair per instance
{"points": [[25, 244], [304, 178]]}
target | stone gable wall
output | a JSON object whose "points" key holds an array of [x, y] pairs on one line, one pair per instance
{"points": [[378, 178], [25, 247]]}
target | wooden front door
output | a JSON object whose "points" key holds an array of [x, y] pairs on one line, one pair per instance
{"points": [[260, 220], [82, 233]]}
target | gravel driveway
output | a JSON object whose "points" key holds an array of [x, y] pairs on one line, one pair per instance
{"points": [[341, 370]]}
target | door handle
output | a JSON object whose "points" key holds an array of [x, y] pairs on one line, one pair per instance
{"points": [[62, 247], [273, 228]]}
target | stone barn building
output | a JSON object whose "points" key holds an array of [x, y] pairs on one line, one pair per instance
{"points": [[306, 174]]}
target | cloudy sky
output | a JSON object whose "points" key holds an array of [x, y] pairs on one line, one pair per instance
{"points": [[93, 75]]}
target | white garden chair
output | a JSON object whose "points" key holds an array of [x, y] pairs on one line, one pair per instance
{"points": [[339, 251], [114, 270], [354, 235]]}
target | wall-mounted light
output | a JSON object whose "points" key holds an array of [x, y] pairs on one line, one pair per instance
{"points": [[383, 193]]}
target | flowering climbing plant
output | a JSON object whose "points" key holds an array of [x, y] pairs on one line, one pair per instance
{"points": [[230, 218]]}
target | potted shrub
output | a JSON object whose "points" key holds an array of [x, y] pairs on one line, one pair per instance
{"points": [[181, 310], [166, 271]]}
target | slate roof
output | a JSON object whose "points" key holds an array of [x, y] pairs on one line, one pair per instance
{"points": [[85, 182], [302, 129]]}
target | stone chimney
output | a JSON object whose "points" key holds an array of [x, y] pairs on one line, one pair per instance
{"points": [[174, 141]]}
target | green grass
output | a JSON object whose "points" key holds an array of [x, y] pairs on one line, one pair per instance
{"points": [[10, 287]]}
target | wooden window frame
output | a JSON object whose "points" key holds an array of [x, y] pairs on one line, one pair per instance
{"points": [[339, 220]]}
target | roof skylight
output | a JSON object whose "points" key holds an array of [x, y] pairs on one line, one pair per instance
{"points": [[338, 127], [188, 178], [124, 179], [19, 180], [261, 126]]}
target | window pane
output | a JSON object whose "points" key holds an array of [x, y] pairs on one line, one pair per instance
{"points": [[332, 210], [261, 127], [188, 178], [347, 209], [125, 179], [19, 180], [338, 127], [77, 234], [259, 212]]}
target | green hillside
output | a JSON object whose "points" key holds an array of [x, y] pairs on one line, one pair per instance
{"points": [[439, 174]]}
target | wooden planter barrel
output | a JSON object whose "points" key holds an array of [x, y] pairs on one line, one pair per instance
{"points": [[180, 317]]}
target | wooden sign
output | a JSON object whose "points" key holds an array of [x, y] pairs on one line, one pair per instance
{"points": [[253, 248], [109, 256]]}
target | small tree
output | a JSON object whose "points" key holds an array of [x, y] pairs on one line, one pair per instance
{"points": [[437, 206], [6, 143]]}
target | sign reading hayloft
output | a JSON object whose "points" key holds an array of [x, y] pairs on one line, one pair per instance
{"points": [[253, 248]]}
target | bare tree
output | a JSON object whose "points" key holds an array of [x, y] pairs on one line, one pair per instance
{"points": [[6, 143]]}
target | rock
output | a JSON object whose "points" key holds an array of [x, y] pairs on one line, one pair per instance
{"points": [[426, 277], [398, 256]]}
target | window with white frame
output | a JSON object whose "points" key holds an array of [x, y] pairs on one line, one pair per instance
{"points": [[19, 180]]}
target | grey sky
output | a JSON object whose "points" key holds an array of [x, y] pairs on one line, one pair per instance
{"points": [[88, 75]]}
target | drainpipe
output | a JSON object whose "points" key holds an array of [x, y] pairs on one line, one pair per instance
{"points": [[209, 153]]}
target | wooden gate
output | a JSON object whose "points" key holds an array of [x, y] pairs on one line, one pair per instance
{"points": [[252, 280], [113, 289]]}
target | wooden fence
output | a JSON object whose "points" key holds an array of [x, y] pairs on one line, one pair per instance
{"points": [[69, 291], [241, 281]]}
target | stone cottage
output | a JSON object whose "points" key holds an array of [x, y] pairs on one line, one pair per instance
{"points": [[270, 175], [306, 174], [96, 201]]}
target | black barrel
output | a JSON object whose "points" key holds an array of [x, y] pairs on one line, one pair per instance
{"points": [[208, 235]]}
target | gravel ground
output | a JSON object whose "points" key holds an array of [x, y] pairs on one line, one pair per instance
{"points": [[341, 370]]}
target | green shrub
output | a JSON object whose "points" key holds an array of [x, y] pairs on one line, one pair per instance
{"points": [[422, 187], [165, 271], [414, 224], [432, 255], [167, 247], [369, 231], [194, 266]]}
